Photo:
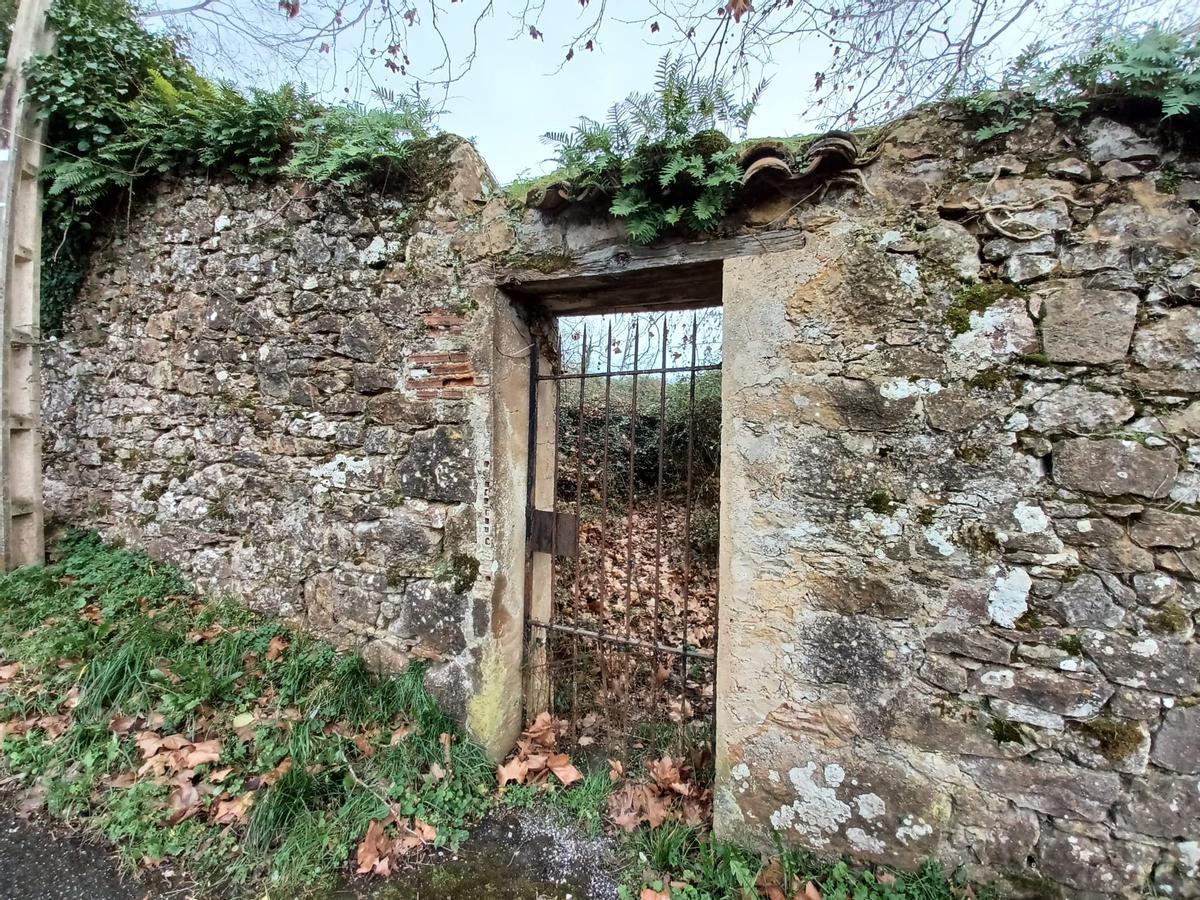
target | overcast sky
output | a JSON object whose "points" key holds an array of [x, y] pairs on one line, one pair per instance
{"points": [[519, 88]]}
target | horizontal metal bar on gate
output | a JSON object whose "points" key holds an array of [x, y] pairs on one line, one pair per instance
{"points": [[703, 655], [617, 373]]}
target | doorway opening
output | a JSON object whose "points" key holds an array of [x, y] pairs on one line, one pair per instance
{"points": [[623, 526]]}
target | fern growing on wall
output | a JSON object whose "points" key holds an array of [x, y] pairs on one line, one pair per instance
{"points": [[1156, 72], [663, 159]]}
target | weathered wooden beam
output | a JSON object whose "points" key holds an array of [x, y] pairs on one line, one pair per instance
{"points": [[551, 273], [21, 149]]}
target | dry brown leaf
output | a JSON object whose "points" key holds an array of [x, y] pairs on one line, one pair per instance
{"points": [[278, 772], [183, 802], [364, 745], [400, 734], [10, 671], [616, 770], [513, 770], [651, 894], [276, 648], [233, 811], [812, 892], [203, 752], [560, 765]]}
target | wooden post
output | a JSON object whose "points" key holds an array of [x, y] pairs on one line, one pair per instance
{"points": [[21, 521]]}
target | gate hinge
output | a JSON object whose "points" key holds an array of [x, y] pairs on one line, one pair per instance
{"points": [[554, 532]]}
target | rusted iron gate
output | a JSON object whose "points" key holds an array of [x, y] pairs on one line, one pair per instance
{"points": [[612, 585]]}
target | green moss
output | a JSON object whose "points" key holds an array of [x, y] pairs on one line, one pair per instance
{"points": [[546, 263], [460, 570], [1006, 732], [989, 379], [972, 454], [1030, 621], [881, 501], [1171, 619], [978, 539], [976, 298], [1071, 644], [925, 516], [1168, 182], [1117, 738], [1035, 359]]}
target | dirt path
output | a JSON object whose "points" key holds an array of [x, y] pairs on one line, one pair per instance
{"points": [[523, 856]]}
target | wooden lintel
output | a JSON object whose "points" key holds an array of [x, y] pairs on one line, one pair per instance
{"points": [[582, 271]]}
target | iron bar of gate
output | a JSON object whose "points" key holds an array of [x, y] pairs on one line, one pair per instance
{"points": [[658, 528], [604, 488], [583, 361], [687, 530], [674, 370], [691, 653], [629, 512], [554, 539]]}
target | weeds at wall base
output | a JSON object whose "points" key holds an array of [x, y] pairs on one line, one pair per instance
{"points": [[190, 732]]}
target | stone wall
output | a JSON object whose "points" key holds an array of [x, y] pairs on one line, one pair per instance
{"points": [[961, 484], [961, 474], [288, 395]]}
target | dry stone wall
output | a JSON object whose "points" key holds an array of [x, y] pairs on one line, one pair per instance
{"points": [[961, 474], [961, 530], [285, 393]]}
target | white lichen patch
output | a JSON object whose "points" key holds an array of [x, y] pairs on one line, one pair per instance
{"points": [[863, 842], [1147, 647], [338, 469], [1189, 858], [939, 541], [740, 772], [1009, 599], [816, 811], [913, 830], [1031, 518], [903, 388], [870, 806]]}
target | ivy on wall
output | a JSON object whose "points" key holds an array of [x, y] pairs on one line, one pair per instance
{"points": [[122, 105]]}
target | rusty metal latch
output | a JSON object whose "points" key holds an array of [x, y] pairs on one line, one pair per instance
{"points": [[554, 532]]}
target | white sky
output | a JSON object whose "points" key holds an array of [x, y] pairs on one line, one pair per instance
{"points": [[518, 88]]}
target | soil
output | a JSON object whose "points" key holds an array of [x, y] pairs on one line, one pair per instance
{"points": [[511, 856]]}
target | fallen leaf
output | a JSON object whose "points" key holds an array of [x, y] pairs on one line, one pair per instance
{"points": [[9, 672], [400, 734], [276, 648], [513, 770], [564, 771], [616, 770], [651, 894], [183, 802], [812, 892], [203, 752], [233, 812]]}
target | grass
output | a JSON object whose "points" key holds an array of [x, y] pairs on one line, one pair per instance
{"points": [[114, 646], [121, 636], [698, 867]]}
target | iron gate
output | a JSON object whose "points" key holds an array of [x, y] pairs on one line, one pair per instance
{"points": [[621, 586]]}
